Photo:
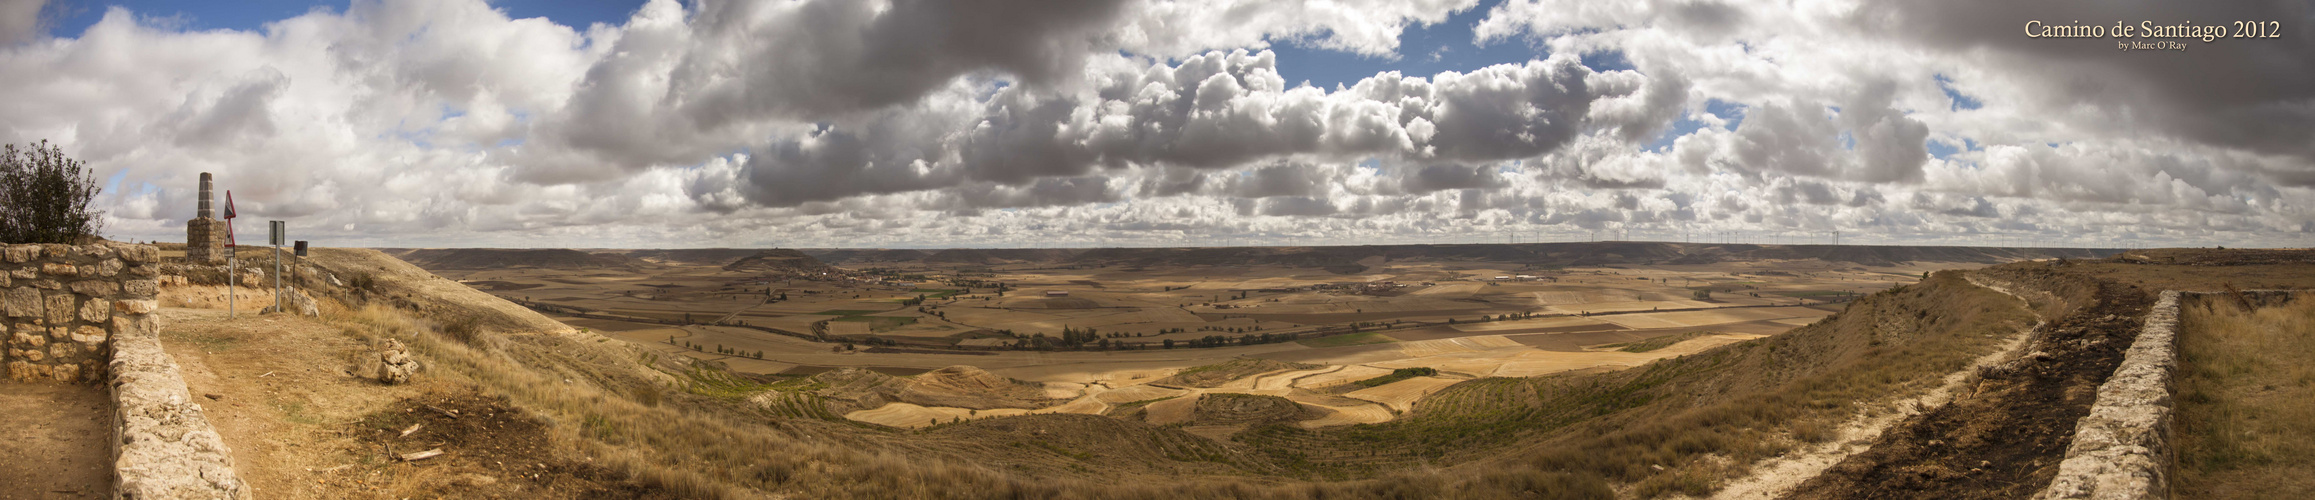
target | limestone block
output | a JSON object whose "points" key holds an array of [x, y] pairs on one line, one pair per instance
{"points": [[44, 284], [18, 254], [28, 339], [25, 273], [140, 254], [140, 325], [64, 373], [136, 306], [64, 350], [22, 303], [144, 270], [59, 270], [95, 289], [95, 310], [61, 308], [33, 355], [25, 370], [109, 267], [59, 333], [393, 366], [5, 281], [94, 252], [89, 335], [57, 250], [142, 289]]}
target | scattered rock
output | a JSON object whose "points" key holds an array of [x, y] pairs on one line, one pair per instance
{"points": [[393, 364]]}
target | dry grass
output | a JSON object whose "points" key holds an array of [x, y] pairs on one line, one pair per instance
{"points": [[664, 431], [1679, 425], [2246, 400], [1702, 417]]}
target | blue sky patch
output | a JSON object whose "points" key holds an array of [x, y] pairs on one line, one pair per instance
{"points": [[1424, 51]]}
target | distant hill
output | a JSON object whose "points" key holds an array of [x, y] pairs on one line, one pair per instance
{"points": [[1336, 259], [778, 260], [993, 256], [1347, 259], [850, 256], [502, 258], [1340, 260], [695, 256]]}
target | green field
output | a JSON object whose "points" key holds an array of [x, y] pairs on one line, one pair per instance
{"points": [[845, 312], [1654, 343], [880, 323], [1348, 340]]}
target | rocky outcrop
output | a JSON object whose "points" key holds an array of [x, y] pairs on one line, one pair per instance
{"points": [[391, 366]]}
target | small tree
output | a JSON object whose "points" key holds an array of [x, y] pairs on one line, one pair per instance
{"points": [[44, 196]]}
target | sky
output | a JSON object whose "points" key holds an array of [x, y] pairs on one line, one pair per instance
{"points": [[1016, 123]]}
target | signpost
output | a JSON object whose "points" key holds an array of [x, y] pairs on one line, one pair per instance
{"points": [[232, 267], [231, 287], [276, 234]]}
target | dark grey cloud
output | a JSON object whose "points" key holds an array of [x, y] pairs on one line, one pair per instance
{"points": [[20, 20], [1442, 177], [1287, 179], [1862, 139], [1211, 111], [2253, 94], [820, 57], [1297, 206]]}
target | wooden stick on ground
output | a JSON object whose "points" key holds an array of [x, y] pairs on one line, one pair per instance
{"points": [[413, 457]]}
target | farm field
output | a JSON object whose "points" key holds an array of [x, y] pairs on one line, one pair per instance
{"points": [[1098, 338], [1756, 382]]}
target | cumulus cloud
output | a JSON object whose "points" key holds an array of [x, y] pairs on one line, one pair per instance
{"points": [[978, 123], [20, 20]]}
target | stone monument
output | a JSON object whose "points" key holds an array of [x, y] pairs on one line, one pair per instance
{"points": [[205, 234]]}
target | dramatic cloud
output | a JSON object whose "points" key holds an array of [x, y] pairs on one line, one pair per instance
{"points": [[1008, 122]]}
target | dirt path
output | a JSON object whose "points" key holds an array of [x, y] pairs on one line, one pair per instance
{"points": [[272, 388], [1776, 477], [53, 441]]}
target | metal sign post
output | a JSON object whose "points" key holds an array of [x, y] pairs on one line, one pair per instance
{"points": [[232, 287], [295, 258], [277, 230]]}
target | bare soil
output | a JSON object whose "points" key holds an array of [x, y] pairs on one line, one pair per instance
{"points": [[489, 449], [53, 441], [275, 388], [2007, 439]]}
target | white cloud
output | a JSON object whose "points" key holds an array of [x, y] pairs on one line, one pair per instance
{"points": [[931, 123]]}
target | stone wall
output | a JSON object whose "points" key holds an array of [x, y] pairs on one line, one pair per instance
{"points": [[2121, 450], [62, 306], [163, 446]]}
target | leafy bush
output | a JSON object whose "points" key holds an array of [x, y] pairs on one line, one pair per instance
{"points": [[44, 196], [1398, 375]]}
